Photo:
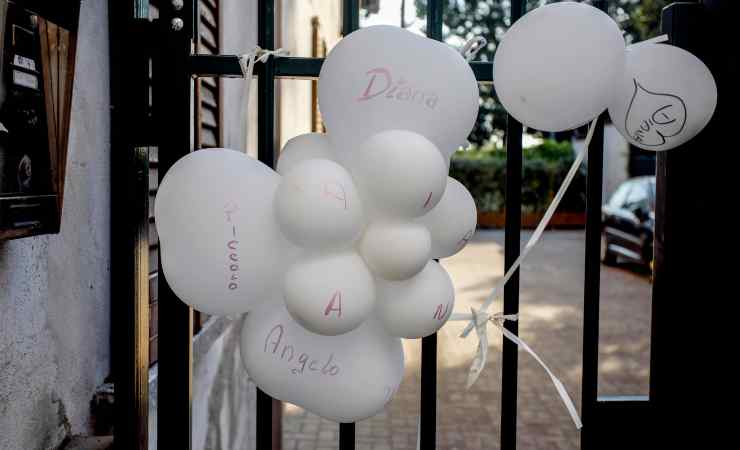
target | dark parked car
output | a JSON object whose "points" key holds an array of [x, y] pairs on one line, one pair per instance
{"points": [[628, 222]]}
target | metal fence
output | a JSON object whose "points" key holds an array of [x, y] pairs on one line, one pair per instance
{"points": [[173, 69]]}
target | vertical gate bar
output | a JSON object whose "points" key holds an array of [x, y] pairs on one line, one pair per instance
{"points": [[428, 394], [690, 254], [266, 92], [347, 436], [266, 154], [428, 406], [592, 281], [172, 109], [512, 236], [350, 16], [591, 287], [129, 222], [435, 11], [350, 23]]}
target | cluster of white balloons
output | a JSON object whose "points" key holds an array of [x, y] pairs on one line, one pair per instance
{"points": [[561, 65], [332, 256]]}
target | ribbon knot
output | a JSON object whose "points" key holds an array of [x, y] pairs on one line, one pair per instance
{"points": [[480, 319], [246, 62], [471, 48]]}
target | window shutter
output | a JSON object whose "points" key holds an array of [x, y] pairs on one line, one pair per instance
{"points": [[208, 119], [208, 132]]}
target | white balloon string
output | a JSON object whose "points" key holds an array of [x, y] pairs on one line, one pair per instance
{"points": [[479, 318], [472, 47], [655, 40], [246, 62], [498, 289], [498, 319]]}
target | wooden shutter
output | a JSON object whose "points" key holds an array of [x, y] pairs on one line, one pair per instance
{"points": [[208, 133], [318, 50], [208, 113], [153, 237]]}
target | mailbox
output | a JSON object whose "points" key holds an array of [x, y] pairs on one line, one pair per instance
{"points": [[38, 42]]}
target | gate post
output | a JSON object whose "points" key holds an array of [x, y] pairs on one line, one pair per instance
{"points": [[691, 294], [172, 108]]}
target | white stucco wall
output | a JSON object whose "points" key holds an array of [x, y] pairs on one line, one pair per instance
{"points": [[55, 289], [239, 36], [294, 102]]}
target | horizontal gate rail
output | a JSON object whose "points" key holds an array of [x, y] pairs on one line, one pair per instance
{"points": [[227, 66]]}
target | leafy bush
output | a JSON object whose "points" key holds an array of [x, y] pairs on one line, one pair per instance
{"points": [[483, 172]]}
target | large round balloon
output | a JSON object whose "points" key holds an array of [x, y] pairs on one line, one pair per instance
{"points": [[666, 97], [303, 147], [221, 248], [342, 378], [554, 69], [317, 205], [395, 250], [400, 174], [384, 77], [330, 294], [419, 306], [452, 222]]}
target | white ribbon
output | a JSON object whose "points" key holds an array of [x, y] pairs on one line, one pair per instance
{"points": [[498, 289], [479, 318], [472, 47], [655, 40], [246, 62]]}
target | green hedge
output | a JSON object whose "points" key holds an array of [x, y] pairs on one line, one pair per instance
{"points": [[483, 172]]}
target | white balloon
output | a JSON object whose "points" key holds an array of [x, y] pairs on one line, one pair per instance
{"points": [[384, 77], [303, 147], [345, 379], [452, 222], [666, 97], [395, 250], [555, 68], [419, 306], [400, 174], [222, 250], [330, 294], [317, 205]]}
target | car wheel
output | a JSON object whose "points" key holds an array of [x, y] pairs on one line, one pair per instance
{"points": [[607, 257]]}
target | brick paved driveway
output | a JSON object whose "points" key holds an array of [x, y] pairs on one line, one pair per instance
{"points": [[551, 322]]}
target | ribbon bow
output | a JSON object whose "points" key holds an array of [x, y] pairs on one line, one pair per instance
{"points": [[480, 319]]}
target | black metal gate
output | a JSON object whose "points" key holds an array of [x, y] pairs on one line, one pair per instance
{"points": [[174, 70]]}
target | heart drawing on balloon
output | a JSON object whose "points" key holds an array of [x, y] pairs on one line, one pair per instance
{"points": [[653, 117]]}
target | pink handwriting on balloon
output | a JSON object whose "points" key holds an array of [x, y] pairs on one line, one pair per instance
{"points": [[399, 90], [426, 203], [335, 304], [232, 248], [274, 344], [230, 208], [440, 313], [465, 239], [335, 190]]}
